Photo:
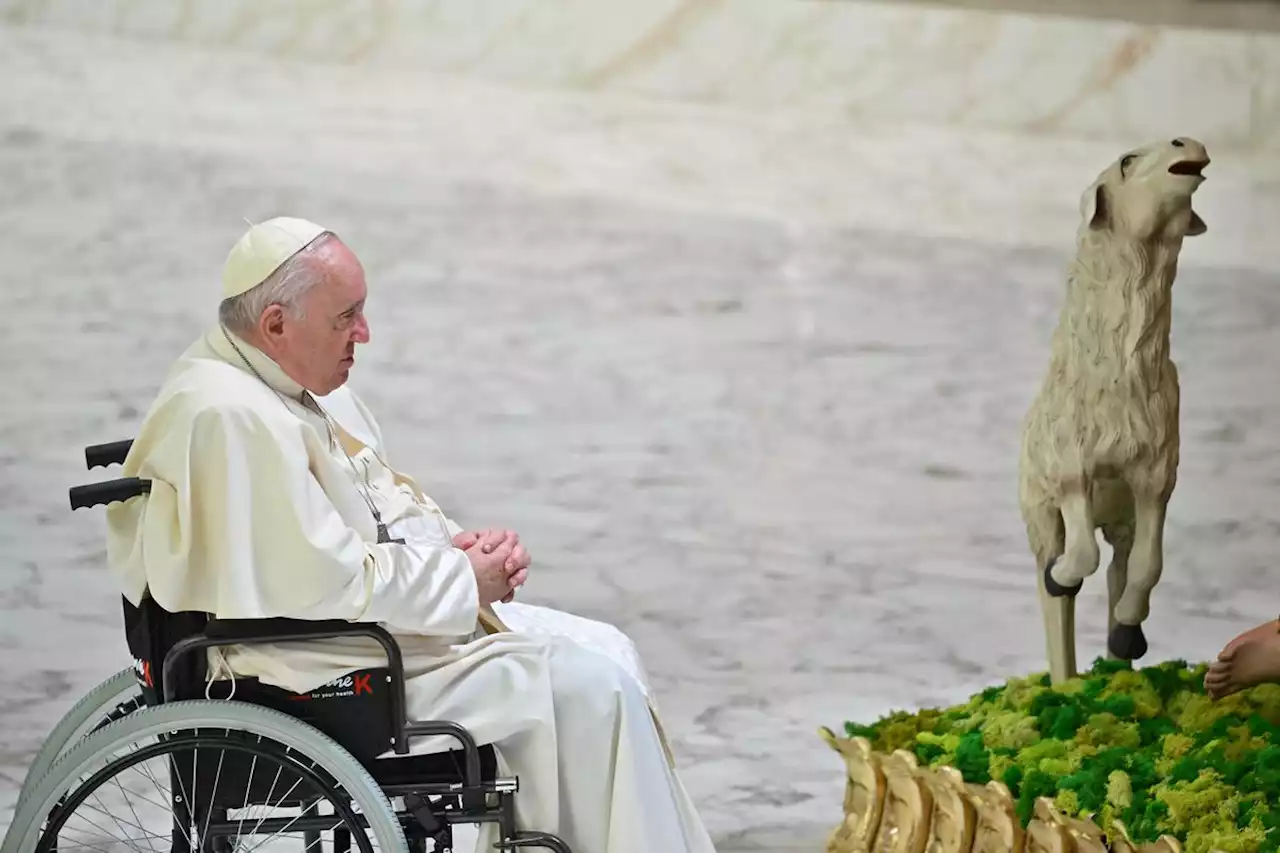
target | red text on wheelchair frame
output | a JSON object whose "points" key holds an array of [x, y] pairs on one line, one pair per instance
{"points": [[347, 685]]}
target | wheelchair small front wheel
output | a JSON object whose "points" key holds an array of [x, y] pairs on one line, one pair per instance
{"points": [[204, 777]]}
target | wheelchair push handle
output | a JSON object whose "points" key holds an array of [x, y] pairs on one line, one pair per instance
{"points": [[104, 455], [109, 491]]}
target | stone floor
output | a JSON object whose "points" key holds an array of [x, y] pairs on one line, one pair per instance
{"points": [[777, 449]]}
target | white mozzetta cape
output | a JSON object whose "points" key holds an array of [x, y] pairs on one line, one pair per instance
{"points": [[255, 513]]}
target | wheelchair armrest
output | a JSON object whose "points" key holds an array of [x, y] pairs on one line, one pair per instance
{"points": [[246, 632], [249, 631]]}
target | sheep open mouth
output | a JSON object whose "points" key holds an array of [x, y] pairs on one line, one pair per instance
{"points": [[1189, 167]]}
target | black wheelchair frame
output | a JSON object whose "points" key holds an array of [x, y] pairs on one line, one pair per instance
{"points": [[464, 781]]}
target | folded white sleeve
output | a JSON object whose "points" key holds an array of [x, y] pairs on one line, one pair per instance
{"points": [[270, 533]]}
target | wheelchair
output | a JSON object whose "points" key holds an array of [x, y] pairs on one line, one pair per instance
{"points": [[240, 765]]}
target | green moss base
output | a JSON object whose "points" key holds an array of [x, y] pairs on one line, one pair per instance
{"points": [[1146, 746]]}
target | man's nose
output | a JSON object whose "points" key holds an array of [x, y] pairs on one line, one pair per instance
{"points": [[361, 332]]}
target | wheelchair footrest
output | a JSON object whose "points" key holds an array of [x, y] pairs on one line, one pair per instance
{"points": [[540, 840]]}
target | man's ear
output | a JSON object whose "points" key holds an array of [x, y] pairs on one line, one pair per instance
{"points": [[1196, 226], [1095, 209], [271, 323]]}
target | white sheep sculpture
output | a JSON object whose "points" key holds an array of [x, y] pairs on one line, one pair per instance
{"points": [[1100, 442]]}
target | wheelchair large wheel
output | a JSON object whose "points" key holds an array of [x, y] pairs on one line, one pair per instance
{"points": [[114, 698], [206, 777]]}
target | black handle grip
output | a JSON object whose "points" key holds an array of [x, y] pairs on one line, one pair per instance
{"points": [[107, 492], [102, 455]]}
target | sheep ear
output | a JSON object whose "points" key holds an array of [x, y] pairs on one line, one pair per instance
{"points": [[1095, 209], [1196, 227]]}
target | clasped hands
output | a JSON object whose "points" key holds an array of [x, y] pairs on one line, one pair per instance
{"points": [[500, 562]]}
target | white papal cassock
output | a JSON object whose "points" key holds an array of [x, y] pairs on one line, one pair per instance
{"points": [[254, 513]]}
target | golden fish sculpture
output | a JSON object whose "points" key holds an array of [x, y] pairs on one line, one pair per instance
{"points": [[893, 805]]}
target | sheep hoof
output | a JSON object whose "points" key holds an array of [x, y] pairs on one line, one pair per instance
{"points": [[1056, 589], [1127, 642]]}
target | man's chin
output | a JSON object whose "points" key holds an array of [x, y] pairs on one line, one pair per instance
{"points": [[339, 379]]}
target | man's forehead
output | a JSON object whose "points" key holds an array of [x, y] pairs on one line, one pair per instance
{"points": [[341, 268], [347, 288], [337, 252]]}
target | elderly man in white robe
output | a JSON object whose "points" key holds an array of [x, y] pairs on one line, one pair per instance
{"points": [[272, 496]]}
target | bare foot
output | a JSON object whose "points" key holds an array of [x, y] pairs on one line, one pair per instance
{"points": [[1252, 658]]}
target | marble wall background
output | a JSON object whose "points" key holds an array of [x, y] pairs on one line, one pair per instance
{"points": [[802, 169], [866, 60]]}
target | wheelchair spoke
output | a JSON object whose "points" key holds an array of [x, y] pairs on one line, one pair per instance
{"points": [[118, 822], [253, 765], [132, 810], [163, 803], [149, 836], [274, 782], [62, 839], [63, 845], [204, 833]]}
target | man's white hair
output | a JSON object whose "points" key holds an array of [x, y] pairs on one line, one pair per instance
{"points": [[284, 287]]}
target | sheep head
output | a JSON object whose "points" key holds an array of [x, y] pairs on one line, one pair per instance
{"points": [[1145, 195]]}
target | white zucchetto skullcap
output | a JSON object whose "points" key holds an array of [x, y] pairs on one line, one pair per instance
{"points": [[261, 251]]}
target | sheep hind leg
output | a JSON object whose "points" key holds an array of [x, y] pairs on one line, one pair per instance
{"points": [[1146, 563], [1120, 538], [1081, 555]]}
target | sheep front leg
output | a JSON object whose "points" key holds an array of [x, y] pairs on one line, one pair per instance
{"points": [[1146, 562], [1059, 613], [1081, 556]]}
